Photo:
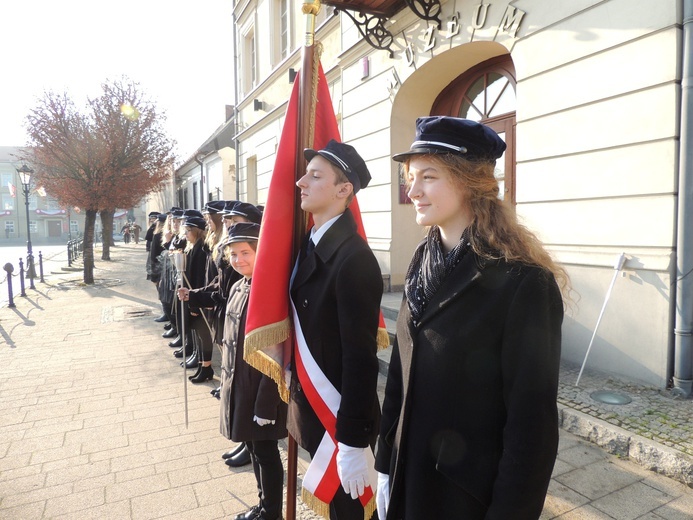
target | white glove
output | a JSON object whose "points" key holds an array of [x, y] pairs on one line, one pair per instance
{"points": [[263, 422], [382, 495], [352, 468]]}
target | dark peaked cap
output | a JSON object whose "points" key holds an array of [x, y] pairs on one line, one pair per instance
{"points": [[198, 222], [243, 232], [443, 134], [346, 158], [214, 206], [247, 210]]}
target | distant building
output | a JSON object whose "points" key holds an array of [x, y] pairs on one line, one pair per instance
{"points": [[49, 221], [210, 173]]}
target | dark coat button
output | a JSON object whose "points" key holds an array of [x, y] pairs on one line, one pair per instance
{"points": [[305, 303]]}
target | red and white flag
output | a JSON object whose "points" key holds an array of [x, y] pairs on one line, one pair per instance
{"points": [[269, 333], [13, 189]]}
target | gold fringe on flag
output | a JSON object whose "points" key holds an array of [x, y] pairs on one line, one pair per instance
{"points": [[323, 509], [267, 359]]}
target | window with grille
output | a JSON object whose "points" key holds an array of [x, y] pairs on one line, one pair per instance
{"points": [[486, 93]]}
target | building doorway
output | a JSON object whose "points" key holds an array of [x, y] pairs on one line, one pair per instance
{"points": [[55, 228], [486, 93]]}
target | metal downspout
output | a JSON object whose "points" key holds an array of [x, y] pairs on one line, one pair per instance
{"points": [[683, 331], [235, 110], [202, 181]]}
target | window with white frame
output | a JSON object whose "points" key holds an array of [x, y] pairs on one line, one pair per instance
{"points": [[51, 203], [7, 201], [74, 226], [249, 59], [9, 227], [33, 200], [6, 180], [325, 13], [283, 28], [33, 227]]}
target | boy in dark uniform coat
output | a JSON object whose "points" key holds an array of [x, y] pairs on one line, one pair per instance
{"points": [[336, 290]]}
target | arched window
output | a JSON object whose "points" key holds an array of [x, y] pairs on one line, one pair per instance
{"points": [[486, 93]]}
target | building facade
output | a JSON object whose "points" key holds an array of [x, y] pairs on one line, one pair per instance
{"points": [[587, 95], [49, 221], [210, 173]]}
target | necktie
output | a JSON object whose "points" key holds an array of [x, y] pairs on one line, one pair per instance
{"points": [[306, 251]]}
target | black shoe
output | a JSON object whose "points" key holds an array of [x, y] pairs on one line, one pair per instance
{"points": [[233, 452], [192, 361], [240, 459], [204, 374], [170, 333], [249, 515], [161, 319], [168, 326], [178, 342], [216, 392], [197, 372], [179, 353]]}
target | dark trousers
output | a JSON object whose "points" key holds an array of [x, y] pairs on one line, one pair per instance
{"points": [[269, 474], [201, 337]]}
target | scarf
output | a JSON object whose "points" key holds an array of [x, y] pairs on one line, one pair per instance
{"points": [[428, 269]]}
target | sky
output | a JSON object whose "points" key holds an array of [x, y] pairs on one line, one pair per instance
{"points": [[179, 51]]}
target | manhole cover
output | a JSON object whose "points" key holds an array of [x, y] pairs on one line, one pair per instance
{"points": [[124, 313], [609, 397]]}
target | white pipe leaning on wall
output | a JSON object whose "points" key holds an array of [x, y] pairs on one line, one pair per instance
{"points": [[683, 328], [618, 266]]}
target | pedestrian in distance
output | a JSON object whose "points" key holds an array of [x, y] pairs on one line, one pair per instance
{"points": [[470, 424], [336, 288]]}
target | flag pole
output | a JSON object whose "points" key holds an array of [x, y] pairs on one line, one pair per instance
{"points": [[310, 10]]}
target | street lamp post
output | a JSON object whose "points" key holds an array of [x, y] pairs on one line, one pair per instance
{"points": [[25, 177]]}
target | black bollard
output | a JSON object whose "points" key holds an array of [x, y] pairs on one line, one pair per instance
{"points": [[41, 266], [9, 269], [69, 253], [21, 278]]}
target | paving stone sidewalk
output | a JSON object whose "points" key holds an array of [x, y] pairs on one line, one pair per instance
{"points": [[92, 422]]}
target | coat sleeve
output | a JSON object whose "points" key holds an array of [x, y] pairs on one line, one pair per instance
{"points": [[267, 399], [392, 406], [530, 367], [358, 291]]}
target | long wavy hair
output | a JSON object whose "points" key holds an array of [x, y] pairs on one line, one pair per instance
{"points": [[495, 232], [196, 234], [214, 235]]}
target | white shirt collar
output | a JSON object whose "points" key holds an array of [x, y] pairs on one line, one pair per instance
{"points": [[316, 235]]}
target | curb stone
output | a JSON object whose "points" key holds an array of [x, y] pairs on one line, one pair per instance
{"points": [[621, 443]]}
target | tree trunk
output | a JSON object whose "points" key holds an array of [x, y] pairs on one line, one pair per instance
{"points": [[88, 246], [107, 226]]}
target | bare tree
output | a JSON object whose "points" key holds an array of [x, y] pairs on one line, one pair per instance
{"points": [[111, 155]]}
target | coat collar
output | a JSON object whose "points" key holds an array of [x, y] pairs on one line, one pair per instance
{"points": [[339, 232], [467, 273]]}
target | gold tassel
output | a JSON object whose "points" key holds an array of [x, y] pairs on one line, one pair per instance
{"points": [[383, 338]]}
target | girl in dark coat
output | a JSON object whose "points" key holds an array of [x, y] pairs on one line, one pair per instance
{"points": [[251, 409], [195, 268], [470, 425]]}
